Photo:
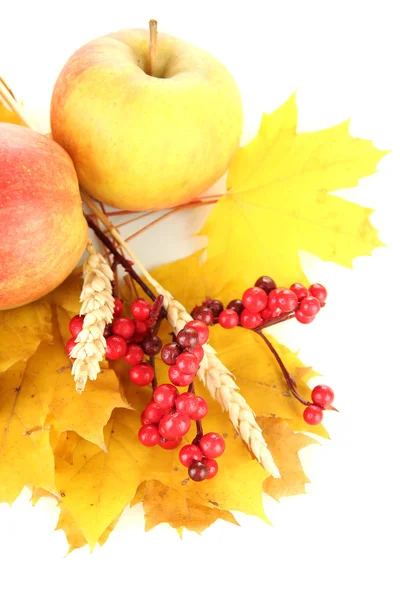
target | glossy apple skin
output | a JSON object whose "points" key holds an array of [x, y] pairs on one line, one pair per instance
{"points": [[146, 142], [42, 228]]}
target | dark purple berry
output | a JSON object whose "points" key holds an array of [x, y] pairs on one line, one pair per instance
{"points": [[187, 338], [152, 344], [170, 353], [265, 283], [236, 305], [198, 471], [203, 314]]}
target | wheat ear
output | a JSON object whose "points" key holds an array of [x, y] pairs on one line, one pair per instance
{"points": [[97, 307], [215, 376]]}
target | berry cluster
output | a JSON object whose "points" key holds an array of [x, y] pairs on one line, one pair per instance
{"points": [[322, 398], [262, 303], [167, 418], [266, 304], [184, 355], [128, 338]]}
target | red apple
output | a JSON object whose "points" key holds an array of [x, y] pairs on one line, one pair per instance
{"points": [[42, 228]]}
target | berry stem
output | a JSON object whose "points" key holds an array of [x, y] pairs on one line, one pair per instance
{"points": [[288, 377], [199, 425], [152, 363], [120, 258]]}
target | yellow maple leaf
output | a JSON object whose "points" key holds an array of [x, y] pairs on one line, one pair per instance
{"points": [[284, 446], [98, 485], [26, 455], [278, 202], [75, 537], [86, 413], [163, 504], [66, 295], [7, 115], [22, 330]]}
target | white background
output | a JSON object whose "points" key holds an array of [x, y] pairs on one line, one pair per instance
{"points": [[342, 538]]}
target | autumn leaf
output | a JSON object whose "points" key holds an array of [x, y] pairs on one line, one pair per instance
{"points": [[66, 295], [87, 413], [22, 330], [26, 455], [284, 446], [98, 485], [7, 115], [163, 504], [74, 535], [278, 202]]}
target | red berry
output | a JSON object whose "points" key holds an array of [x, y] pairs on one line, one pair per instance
{"points": [[153, 413], [151, 344], [272, 299], [148, 435], [198, 471], [173, 426], [236, 305], [266, 314], [212, 445], [318, 291], [124, 327], [313, 414], [254, 299], [141, 374], [286, 300], [187, 403], [118, 307], [250, 320], [188, 338], [178, 378], [169, 444], [116, 347], [170, 353], [212, 466], [201, 330], [69, 346], [228, 319], [198, 352], [140, 331], [201, 411], [265, 283], [203, 314], [134, 354], [76, 325], [300, 290], [310, 306], [187, 363], [302, 318], [165, 396], [140, 309], [190, 453], [322, 395]]}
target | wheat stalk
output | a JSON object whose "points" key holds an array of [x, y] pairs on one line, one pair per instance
{"points": [[212, 372], [97, 307]]}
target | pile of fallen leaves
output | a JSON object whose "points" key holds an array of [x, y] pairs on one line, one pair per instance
{"points": [[83, 449]]}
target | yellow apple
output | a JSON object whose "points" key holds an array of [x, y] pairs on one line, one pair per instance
{"points": [[141, 141], [42, 228]]}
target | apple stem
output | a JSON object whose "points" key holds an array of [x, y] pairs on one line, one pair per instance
{"points": [[152, 45]]}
